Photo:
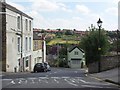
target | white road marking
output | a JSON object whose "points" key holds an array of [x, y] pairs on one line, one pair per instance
{"points": [[20, 81], [70, 80], [91, 86], [26, 81], [56, 77], [86, 75], [39, 80], [31, 78], [97, 83], [6, 79], [65, 77], [70, 83], [13, 82], [93, 82], [43, 77], [56, 81], [82, 80], [74, 80], [33, 81]]}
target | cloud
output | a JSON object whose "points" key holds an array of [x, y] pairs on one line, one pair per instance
{"points": [[74, 20], [39, 20], [82, 9], [112, 10], [47, 5], [18, 6], [44, 5]]}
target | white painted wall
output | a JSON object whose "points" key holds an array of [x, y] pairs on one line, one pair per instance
{"points": [[27, 33], [37, 57], [11, 41], [44, 47], [13, 55]]}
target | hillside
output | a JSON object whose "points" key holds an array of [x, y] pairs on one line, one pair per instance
{"points": [[64, 39]]}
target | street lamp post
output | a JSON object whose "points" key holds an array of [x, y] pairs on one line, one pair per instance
{"points": [[117, 41], [118, 46], [99, 23], [43, 47]]}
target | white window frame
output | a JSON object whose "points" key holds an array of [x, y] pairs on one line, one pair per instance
{"points": [[18, 44], [76, 52], [26, 43], [29, 43], [30, 25], [26, 24], [18, 22]]}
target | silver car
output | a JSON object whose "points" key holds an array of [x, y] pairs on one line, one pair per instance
{"points": [[47, 66]]}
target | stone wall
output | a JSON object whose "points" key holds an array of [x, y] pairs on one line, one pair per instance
{"points": [[106, 63], [109, 62]]}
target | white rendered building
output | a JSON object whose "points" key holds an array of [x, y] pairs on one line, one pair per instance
{"points": [[17, 39]]}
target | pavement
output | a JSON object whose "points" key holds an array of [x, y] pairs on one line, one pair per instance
{"points": [[111, 76]]}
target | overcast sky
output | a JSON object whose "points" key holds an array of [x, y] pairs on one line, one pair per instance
{"points": [[69, 14]]}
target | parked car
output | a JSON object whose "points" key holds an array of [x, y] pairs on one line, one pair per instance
{"points": [[47, 66], [39, 67]]}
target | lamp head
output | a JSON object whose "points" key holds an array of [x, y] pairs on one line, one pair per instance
{"points": [[99, 22]]}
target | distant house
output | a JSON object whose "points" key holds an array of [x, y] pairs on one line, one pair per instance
{"points": [[76, 57], [37, 47]]}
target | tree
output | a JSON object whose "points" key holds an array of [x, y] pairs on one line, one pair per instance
{"points": [[68, 32], [90, 44], [115, 40]]}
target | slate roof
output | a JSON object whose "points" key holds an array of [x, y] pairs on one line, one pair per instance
{"points": [[8, 6], [72, 48], [36, 35]]}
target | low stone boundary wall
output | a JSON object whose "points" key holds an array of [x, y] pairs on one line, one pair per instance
{"points": [[106, 63], [109, 62]]}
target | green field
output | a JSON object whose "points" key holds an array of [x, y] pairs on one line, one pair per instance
{"points": [[62, 41]]}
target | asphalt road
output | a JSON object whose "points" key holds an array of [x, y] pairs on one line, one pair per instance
{"points": [[56, 78]]}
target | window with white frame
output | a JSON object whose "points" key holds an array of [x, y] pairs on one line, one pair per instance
{"points": [[76, 53], [35, 44], [30, 25], [18, 44], [29, 43], [26, 24], [26, 43], [18, 22]]}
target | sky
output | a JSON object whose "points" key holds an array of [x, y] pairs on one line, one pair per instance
{"points": [[69, 14]]}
